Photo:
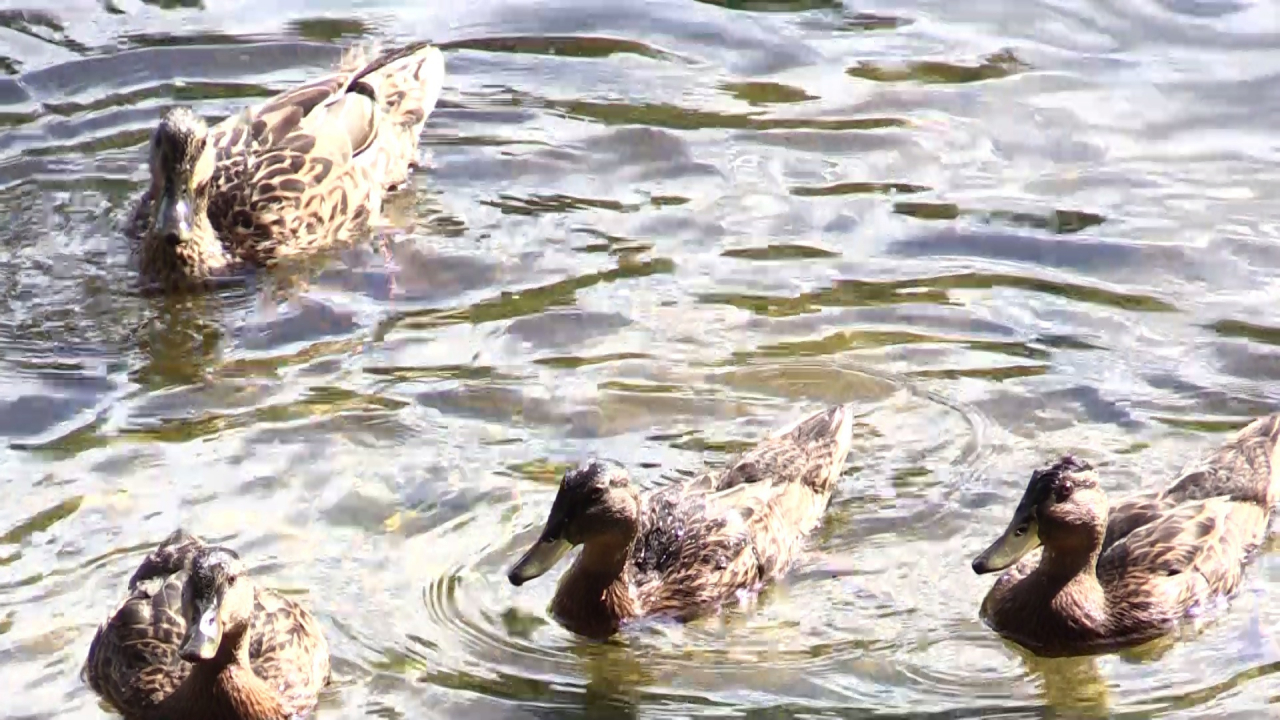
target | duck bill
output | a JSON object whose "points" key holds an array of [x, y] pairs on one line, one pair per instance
{"points": [[540, 558], [203, 636], [1017, 540], [174, 217]]}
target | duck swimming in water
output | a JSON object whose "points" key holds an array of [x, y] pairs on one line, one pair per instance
{"points": [[682, 551], [306, 168], [1117, 576], [197, 640]]}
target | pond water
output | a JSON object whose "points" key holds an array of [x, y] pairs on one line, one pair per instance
{"points": [[649, 232]]}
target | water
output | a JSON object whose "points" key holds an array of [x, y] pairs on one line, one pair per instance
{"points": [[650, 232]]}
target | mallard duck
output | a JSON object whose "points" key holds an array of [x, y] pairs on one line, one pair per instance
{"points": [[196, 640], [302, 170], [1112, 577], [683, 550]]}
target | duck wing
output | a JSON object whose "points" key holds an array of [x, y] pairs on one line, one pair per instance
{"points": [[288, 651], [1132, 513], [1244, 469], [311, 163], [702, 542], [691, 554], [1190, 554], [781, 487], [133, 659]]}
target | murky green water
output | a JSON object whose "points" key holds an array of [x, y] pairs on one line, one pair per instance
{"points": [[651, 232]]}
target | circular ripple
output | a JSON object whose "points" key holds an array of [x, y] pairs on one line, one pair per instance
{"points": [[820, 620]]}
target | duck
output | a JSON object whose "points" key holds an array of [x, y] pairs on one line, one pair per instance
{"points": [[1110, 577], [296, 173], [196, 639], [682, 551]]}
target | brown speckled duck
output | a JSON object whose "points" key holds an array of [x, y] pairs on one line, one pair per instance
{"points": [[305, 169], [1117, 576], [683, 550], [196, 640]]}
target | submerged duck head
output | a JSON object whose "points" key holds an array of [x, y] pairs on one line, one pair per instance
{"points": [[595, 503], [217, 602], [1063, 508]]}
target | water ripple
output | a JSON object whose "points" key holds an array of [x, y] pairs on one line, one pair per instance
{"points": [[649, 232]]}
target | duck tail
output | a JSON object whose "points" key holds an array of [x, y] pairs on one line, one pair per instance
{"points": [[1246, 468], [809, 452], [406, 84], [820, 443], [1258, 442]]}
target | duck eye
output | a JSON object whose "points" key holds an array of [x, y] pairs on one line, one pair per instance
{"points": [[1062, 492]]}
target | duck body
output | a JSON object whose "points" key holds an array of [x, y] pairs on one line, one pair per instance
{"points": [[263, 657], [303, 170], [1107, 577], [686, 549]]}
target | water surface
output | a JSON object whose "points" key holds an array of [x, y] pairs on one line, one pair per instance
{"points": [[649, 232]]}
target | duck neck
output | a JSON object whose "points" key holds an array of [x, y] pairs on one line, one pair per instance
{"points": [[1066, 568], [594, 597], [1068, 574], [224, 687]]}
